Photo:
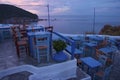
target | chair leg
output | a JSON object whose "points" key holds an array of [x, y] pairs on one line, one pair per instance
{"points": [[18, 53], [26, 50], [38, 56], [47, 57]]}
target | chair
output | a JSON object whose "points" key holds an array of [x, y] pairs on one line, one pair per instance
{"points": [[20, 45], [42, 46], [19, 41], [16, 32], [6, 33], [50, 28], [103, 75], [103, 59], [98, 53]]}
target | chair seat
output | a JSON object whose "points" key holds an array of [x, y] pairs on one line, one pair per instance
{"points": [[103, 75], [24, 39], [100, 73], [17, 36], [22, 43], [42, 47], [23, 32]]}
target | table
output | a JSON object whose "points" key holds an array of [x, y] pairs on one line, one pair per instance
{"points": [[90, 44], [78, 40], [109, 51], [3, 29], [91, 63], [96, 38], [36, 28], [31, 36], [90, 49]]}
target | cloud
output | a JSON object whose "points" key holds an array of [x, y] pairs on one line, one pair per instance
{"points": [[12, 1], [65, 6], [60, 10], [34, 6], [34, 11], [24, 2]]}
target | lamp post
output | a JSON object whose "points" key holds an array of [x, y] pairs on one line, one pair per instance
{"points": [[94, 21], [48, 15]]}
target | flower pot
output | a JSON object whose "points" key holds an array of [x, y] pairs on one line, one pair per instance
{"points": [[60, 56]]}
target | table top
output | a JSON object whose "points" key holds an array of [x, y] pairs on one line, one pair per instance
{"points": [[4, 27], [90, 62], [77, 51], [37, 27], [98, 38], [107, 50], [78, 38], [90, 44], [36, 33]]}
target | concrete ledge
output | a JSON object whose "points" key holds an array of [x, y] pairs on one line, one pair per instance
{"points": [[60, 71], [13, 70]]}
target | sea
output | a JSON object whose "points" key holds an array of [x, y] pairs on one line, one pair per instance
{"points": [[80, 24]]}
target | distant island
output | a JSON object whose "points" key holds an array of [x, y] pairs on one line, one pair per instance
{"points": [[110, 30], [14, 15]]}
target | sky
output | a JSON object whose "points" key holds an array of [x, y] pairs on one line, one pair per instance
{"points": [[68, 7]]}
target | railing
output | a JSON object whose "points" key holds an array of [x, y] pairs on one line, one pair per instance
{"points": [[69, 42]]}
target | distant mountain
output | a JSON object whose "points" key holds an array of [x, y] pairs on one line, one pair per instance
{"points": [[110, 30], [13, 14]]}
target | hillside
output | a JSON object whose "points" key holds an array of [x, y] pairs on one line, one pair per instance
{"points": [[10, 13], [110, 30]]}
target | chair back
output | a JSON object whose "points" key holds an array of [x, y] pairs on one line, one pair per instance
{"points": [[103, 59], [107, 72], [42, 43], [50, 28], [42, 40]]}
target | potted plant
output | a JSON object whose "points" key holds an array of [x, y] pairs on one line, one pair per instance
{"points": [[59, 46]]}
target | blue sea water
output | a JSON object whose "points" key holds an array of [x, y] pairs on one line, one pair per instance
{"points": [[77, 24], [80, 23]]}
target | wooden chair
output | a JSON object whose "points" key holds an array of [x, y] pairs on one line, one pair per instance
{"points": [[98, 53], [42, 46], [20, 44], [103, 75], [103, 59], [50, 28], [19, 41], [16, 32]]}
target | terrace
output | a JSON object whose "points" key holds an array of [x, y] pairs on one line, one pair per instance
{"points": [[10, 62]]}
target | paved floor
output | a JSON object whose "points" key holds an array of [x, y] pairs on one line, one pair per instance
{"points": [[8, 58], [18, 76], [115, 74]]}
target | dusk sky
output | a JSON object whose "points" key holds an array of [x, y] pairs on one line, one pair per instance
{"points": [[69, 7]]}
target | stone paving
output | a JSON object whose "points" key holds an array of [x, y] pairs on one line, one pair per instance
{"points": [[18, 76], [8, 57]]}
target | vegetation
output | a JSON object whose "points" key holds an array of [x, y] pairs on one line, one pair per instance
{"points": [[59, 45], [12, 13], [110, 30]]}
